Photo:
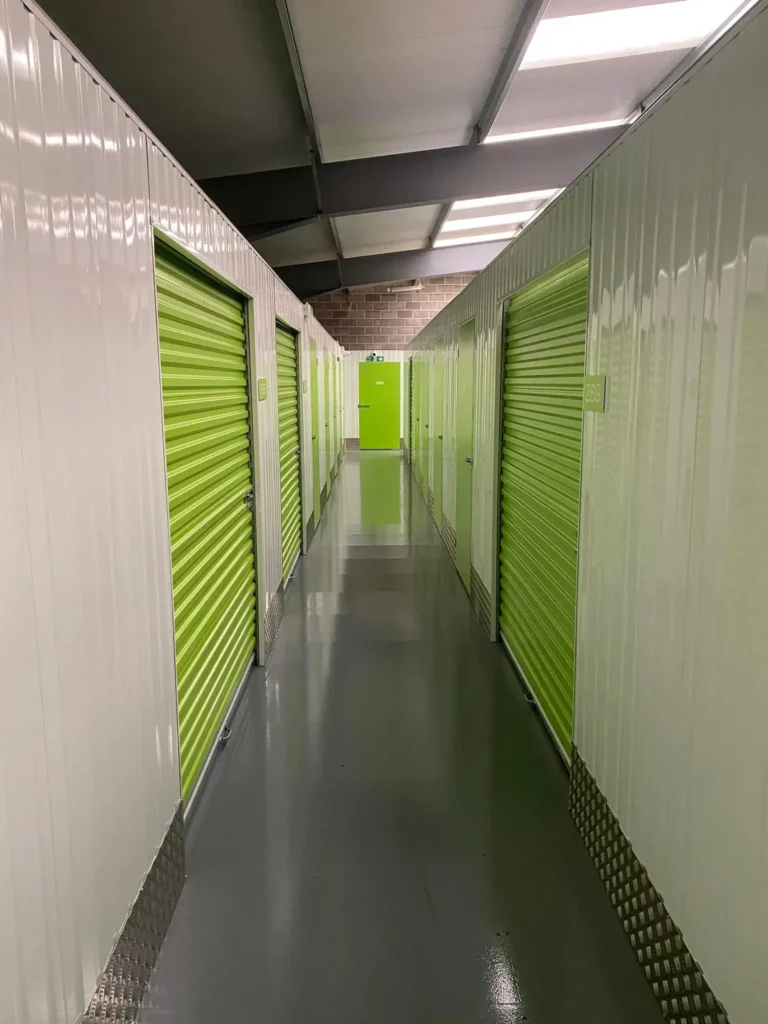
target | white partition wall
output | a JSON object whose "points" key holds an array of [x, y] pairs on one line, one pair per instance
{"points": [[671, 682], [89, 776]]}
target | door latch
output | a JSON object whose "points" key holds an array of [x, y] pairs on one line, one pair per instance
{"points": [[469, 460], [314, 437], [297, 451], [248, 499], [439, 437], [363, 407]]}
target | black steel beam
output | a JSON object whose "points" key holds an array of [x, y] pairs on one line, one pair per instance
{"points": [[308, 279], [407, 179]]}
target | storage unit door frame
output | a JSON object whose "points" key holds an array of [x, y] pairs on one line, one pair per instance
{"points": [[289, 441], [465, 447], [315, 400], [327, 421], [203, 337], [437, 422], [539, 493]]}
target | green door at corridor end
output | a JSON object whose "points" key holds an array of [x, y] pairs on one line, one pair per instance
{"points": [[379, 405]]}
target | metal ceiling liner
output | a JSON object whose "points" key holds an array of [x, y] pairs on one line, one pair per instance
{"points": [[290, 451], [540, 470], [203, 361]]}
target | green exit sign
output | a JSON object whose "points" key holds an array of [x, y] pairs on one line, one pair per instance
{"points": [[261, 389], [594, 393]]}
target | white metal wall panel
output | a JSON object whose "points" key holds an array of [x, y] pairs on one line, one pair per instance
{"points": [[672, 694], [559, 234], [87, 625], [350, 362], [87, 639]]}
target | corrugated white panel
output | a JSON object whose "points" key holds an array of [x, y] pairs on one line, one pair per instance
{"points": [[88, 751], [557, 235], [351, 361], [672, 695]]}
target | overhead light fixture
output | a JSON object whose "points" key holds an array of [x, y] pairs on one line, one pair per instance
{"points": [[648, 28], [517, 197], [567, 129], [494, 236], [491, 221]]}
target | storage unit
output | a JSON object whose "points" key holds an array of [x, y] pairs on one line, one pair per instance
{"points": [[546, 326], [290, 448], [204, 366]]}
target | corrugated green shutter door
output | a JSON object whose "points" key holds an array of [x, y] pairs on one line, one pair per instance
{"points": [[288, 430], [541, 462], [207, 441]]}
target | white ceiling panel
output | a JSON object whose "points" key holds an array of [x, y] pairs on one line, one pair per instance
{"points": [[388, 231], [307, 244], [398, 75], [599, 90]]}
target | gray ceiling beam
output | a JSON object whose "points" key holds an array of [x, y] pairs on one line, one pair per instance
{"points": [[310, 279], [530, 16], [407, 179]]}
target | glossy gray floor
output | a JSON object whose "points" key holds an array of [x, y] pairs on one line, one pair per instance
{"points": [[386, 837]]}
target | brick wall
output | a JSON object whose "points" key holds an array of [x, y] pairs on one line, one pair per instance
{"points": [[374, 318]]}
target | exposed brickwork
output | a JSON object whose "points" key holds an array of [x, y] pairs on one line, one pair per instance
{"points": [[374, 318]]}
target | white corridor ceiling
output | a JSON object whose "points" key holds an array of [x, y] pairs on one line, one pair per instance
{"points": [[239, 87]]}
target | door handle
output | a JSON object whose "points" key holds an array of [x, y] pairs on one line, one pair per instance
{"points": [[314, 437], [426, 426], [439, 437], [297, 451], [363, 407], [248, 499], [469, 460]]}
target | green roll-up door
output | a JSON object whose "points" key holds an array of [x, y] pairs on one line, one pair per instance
{"points": [[290, 453], [541, 462], [210, 492]]}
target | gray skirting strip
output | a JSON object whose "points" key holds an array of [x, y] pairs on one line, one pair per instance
{"points": [[480, 598], [273, 618], [124, 983], [676, 979], [310, 529], [323, 497], [352, 443]]}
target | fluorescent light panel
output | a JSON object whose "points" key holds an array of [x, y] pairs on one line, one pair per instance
{"points": [[631, 30], [567, 129], [494, 236], [518, 197], [491, 221]]}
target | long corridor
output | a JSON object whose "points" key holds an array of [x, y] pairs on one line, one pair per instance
{"points": [[386, 838]]}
